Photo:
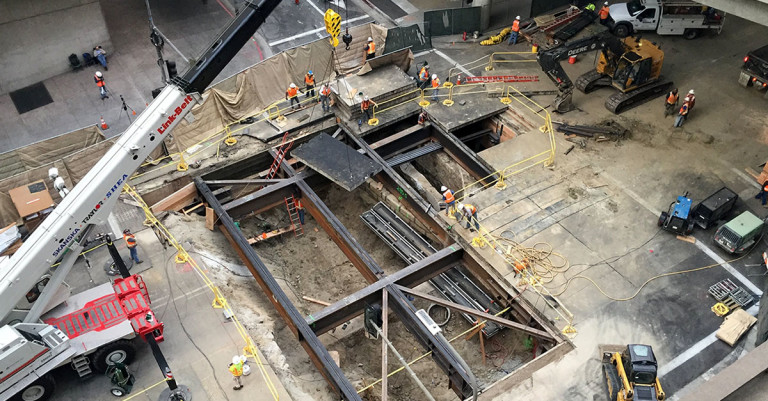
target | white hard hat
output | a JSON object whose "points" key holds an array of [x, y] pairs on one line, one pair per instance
{"points": [[461, 206], [365, 98], [370, 39], [606, 3], [236, 359], [434, 76], [517, 18], [98, 74], [293, 85], [690, 91], [443, 188]]}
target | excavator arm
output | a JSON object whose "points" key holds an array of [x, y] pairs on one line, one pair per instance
{"points": [[549, 60]]}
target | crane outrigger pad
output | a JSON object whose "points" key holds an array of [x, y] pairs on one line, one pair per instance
{"points": [[336, 161]]}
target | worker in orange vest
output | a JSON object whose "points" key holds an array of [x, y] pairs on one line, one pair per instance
{"points": [[130, 242], [424, 76], [365, 107], [449, 199], [299, 207], [99, 79], [763, 194], [671, 102], [682, 115], [435, 87], [293, 94], [370, 49], [309, 81], [515, 31], [325, 97], [470, 213], [604, 14]]}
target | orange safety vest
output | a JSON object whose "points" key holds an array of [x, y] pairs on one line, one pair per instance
{"points": [[365, 104], [448, 195], [423, 74], [371, 48], [309, 79], [297, 203], [236, 369], [130, 240], [292, 92], [471, 209], [684, 109], [516, 26], [436, 82], [326, 91], [99, 81], [604, 12], [672, 98], [765, 187]]}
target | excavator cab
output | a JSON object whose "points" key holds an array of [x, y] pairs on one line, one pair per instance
{"points": [[631, 375], [632, 72]]}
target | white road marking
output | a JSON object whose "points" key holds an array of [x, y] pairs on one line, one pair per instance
{"points": [[695, 349], [316, 7], [313, 31], [197, 291], [339, 3], [751, 181], [406, 6], [454, 62], [727, 266]]}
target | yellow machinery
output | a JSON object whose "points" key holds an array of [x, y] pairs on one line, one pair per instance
{"points": [[631, 373]]}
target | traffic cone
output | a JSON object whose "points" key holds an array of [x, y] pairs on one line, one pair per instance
{"points": [[104, 124]]}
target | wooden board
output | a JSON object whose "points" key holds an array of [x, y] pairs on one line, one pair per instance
{"points": [[270, 234], [210, 218], [31, 198], [734, 326], [177, 200], [687, 238]]}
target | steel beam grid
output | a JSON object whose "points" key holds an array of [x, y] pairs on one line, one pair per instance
{"points": [[295, 320]]}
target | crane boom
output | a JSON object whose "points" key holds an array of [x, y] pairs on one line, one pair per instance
{"points": [[91, 200]]}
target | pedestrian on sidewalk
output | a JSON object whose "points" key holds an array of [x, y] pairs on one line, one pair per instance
{"points": [[469, 212], [236, 368], [763, 194], [449, 199], [682, 115], [325, 97], [435, 87], [424, 76], [101, 55], [365, 107], [309, 81], [605, 14], [515, 31], [670, 104], [130, 242], [293, 94], [99, 79]]}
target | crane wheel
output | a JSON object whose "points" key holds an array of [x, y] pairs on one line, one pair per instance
{"points": [[121, 351], [41, 390], [612, 386]]}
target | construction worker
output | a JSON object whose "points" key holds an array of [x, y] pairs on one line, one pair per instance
{"points": [[670, 103], [424, 76], [449, 199], [293, 94], [365, 107], [682, 114], [469, 212], [435, 87], [691, 99], [236, 368], [325, 97], [590, 7], [423, 117], [515, 31], [99, 79], [298, 206], [370, 49], [604, 14], [763, 194], [309, 81], [130, 242]]}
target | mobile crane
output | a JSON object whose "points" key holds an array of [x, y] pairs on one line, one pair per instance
{"points": [[101, 318], [631, 65]]}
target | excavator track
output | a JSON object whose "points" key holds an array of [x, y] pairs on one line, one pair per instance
{"points": [[591, 80], [620, 102]]}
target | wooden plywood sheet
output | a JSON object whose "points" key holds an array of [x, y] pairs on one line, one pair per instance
{"points": [[734, 326], [31, 198], [337, 161]]}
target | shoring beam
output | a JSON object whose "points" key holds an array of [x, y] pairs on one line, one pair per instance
{"points": [[213, 183], [352, 305], [263, 199], [464, 156], [480, 314], [292, 317]]}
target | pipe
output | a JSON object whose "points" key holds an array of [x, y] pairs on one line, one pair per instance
{"points": [[408, 367]]}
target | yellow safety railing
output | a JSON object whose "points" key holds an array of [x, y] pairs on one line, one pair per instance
{"points": [[219, 301], [492, 59]]}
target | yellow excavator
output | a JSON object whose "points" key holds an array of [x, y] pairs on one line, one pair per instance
{"points": [[631, 65], [631, 373]]}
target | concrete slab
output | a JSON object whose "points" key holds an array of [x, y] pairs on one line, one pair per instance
{"points": [[475, 108], [375, 84]]}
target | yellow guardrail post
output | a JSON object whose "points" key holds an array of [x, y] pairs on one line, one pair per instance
{"points": [[182, 165], [449, 102], [423, 102], [230, 140], [373, 121]]}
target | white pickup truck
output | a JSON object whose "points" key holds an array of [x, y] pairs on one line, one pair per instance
{"points": [[685, 18]]}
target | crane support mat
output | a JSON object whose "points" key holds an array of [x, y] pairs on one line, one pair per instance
{"points": [[336, 161]]}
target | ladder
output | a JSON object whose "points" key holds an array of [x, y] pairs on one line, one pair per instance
{"points": [[298, 228], [81, 365], [281, 151]]}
